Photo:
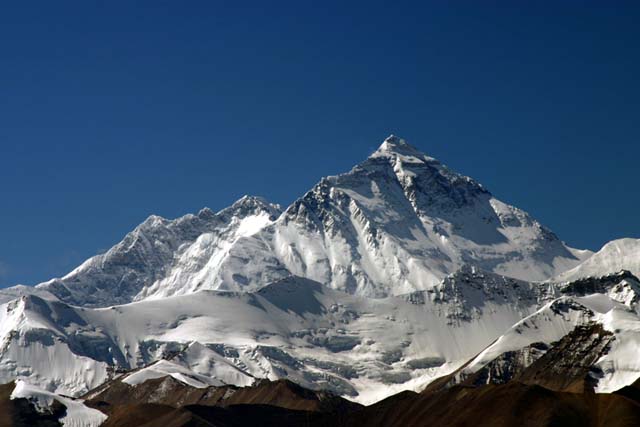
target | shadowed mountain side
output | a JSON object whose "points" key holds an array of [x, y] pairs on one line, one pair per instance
{"points": [[153, 415], [631, 391], [295, 294], [506, 405], [512, 404]]}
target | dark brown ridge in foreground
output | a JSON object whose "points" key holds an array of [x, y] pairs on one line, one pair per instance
{"points": [[170, 403], [503, 405], [171, 392], [506, 405], [513, 404]]}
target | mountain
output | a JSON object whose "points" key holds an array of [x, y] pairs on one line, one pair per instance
{"points": [[502, 405], [617, 255], [295, 328], [18, 411], [590, 332], [508, 402], [188, 250], [362, 348], [399, 276], [169, 391], [396, 223], [70, 412]]}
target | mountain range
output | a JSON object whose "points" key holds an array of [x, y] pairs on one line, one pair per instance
{"points": [[399, 276]]}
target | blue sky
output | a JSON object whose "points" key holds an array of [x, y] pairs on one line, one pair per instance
{"points": [[111, 112]]}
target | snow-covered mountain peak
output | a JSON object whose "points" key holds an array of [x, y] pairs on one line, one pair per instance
{"points": [[400, 153], [424, 179], [396, 223], [402, 217], [146, 255], [395, 145], [241, 208], [206, 213], [252, 205]]}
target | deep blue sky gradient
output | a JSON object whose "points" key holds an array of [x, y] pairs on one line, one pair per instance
{"points": [[110, 112]]}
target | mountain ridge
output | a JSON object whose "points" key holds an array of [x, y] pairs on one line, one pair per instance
{"points": [[398, 222]]}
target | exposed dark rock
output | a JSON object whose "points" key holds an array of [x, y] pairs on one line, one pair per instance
{"points": [[168, 391]]}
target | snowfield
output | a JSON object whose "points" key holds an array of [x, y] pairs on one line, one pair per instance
{"points": [[294, 328]]}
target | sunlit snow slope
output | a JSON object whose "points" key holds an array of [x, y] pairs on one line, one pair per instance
{"points": [[617, 255], [296, 328]]}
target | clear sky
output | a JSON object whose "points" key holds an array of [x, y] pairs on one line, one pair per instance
{"points": [[110, 112]]}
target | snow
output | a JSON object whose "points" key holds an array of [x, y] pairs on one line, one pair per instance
{"points": [[163, 256], [617, 255], [358, 347], [204, 361], [164, 368], [375, 281], [362, 348], [34, 346], [77, 414], [621, 365], [398, 222], [201, 261], [545, 325]]}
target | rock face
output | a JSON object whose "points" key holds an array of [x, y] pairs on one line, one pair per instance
{"points": [[396, 223], [505, 405], [570, 364]]}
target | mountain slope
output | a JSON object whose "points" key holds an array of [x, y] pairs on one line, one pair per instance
{"points": [[295, 328], [160, 250], [172, 392], [396, 223], [617, 255], [402, 217], [358, 347], [504, 405], [585, 340]]}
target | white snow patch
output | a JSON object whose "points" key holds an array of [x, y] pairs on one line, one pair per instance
{"points": [[165, 368]]}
